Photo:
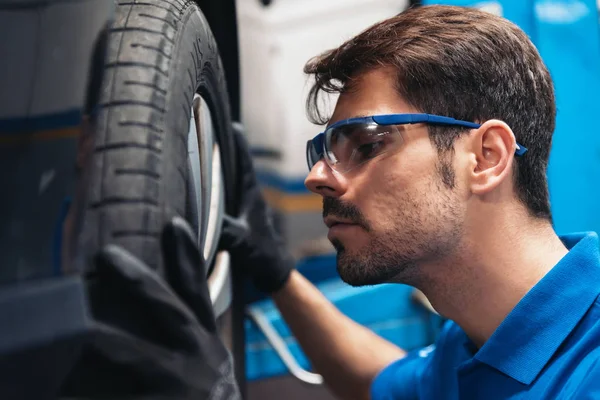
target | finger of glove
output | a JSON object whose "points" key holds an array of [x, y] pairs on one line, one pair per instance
{"points": [[186, 271], [233, 232], [245, 168], [155, 304]]}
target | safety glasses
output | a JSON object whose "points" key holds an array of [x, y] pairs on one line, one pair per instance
{"points": [[352, 142]]}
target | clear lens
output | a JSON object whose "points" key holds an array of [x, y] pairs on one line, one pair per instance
{"points": [[349, 146], [312, 154]]}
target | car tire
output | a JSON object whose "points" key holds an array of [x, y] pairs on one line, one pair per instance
{"points": [[161, 56]]}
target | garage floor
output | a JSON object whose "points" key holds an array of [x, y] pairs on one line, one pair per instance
{"points": [[286, 387]]}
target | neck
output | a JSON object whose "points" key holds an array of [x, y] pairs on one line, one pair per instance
{"points": [[491, 273]]}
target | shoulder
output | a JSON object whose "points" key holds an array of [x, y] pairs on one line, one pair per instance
{"points": [[581, 367], [584, 382]]}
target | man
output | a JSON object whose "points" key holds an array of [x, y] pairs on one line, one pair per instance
{"points": [[432, 173], [454, 203]]}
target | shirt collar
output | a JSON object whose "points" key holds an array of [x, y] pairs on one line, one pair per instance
{"points": [[532, 332]]}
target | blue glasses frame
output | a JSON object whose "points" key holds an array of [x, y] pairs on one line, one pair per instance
{"points": [[315, 146]]}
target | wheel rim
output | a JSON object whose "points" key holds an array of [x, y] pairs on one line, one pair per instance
{"points": [[208, 194], [207, 201]]}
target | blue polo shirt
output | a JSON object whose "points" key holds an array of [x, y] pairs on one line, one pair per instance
{"points": [[548, 347]]}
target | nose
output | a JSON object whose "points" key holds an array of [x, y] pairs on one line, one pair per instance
{"points": [[324, 181]]}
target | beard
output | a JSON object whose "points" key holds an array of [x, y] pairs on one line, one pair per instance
{"points": [[423, 230], [380, 265]]}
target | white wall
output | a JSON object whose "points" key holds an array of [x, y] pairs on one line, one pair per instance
{"points": [[275, 43]]}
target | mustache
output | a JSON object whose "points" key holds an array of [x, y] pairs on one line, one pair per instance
{"points": [[344, 210]]}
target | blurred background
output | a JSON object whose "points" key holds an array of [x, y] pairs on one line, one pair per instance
{"points": [[276, 39]]}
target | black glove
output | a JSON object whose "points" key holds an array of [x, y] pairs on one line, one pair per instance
{"points": [[251, 239], [153, 338]]}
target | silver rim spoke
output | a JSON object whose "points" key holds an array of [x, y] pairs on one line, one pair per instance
{"points": [[208, 186]]}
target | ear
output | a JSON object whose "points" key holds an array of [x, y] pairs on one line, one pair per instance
{"points": [[494, 146]]}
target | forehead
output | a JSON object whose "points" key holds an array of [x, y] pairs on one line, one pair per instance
{"points": [[372, 93]]}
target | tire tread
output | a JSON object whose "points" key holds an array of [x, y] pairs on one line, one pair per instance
{"points": [[136, 160]]}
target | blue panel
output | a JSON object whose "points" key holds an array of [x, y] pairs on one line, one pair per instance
{"points": [[395, 318], [283, 184], [318, 268], [569, 42], [66, 119]]}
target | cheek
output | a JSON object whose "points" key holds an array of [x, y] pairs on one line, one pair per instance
{"points": [[405, 172], [390, 192]]}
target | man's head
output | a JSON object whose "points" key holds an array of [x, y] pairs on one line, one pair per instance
{"points": [[415, 203]]}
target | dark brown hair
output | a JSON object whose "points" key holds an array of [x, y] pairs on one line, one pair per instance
{"points": [[462, 63]]}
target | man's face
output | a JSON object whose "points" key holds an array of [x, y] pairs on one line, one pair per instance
{"points": [[394, 213]]}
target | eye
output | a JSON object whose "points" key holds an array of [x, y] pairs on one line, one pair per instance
{"points": [[369, 150]]}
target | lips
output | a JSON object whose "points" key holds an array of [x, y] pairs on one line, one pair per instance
{"points": [[341, 229], [331, 222]]}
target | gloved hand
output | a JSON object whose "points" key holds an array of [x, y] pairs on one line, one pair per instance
{"points": [[153, 338], [251, 239]]}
